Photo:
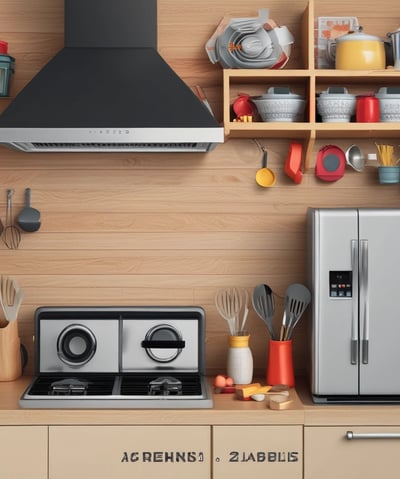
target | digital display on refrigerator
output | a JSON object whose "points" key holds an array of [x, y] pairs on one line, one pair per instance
{"points": [[340, 284]]}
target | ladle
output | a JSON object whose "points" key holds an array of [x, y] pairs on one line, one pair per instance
{"points": [[265, 177], [355, 158], [29, 218]]}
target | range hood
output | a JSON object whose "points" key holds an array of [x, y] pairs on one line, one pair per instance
{"points": [[109, 89]]}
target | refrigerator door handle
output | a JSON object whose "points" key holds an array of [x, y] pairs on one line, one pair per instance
{"points": [[364, 305], [354, 314]]}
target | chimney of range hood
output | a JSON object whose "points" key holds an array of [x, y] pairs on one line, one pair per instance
{"points": [[108, 89]]}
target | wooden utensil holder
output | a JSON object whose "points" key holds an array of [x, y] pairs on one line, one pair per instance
{"points": [[10, 352]]}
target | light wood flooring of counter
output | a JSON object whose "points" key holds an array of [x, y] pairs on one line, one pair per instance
{"points": [[226, 410]]}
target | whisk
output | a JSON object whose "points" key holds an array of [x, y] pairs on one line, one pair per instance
{"points": [[229, 303], [11, 235]]}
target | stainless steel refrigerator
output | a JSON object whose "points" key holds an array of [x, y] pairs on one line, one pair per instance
{"points": [[354, 274]]}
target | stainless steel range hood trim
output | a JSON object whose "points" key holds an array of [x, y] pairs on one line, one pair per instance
{"points": [[112, 139]]}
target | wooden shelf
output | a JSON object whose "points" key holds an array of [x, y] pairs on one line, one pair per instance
{"points": [[308, 81]]}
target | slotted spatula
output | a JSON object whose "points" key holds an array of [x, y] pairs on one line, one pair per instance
{"points": [[299, 298]]}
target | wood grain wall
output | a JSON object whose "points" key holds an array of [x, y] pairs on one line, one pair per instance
{"points": [[166, 229]]}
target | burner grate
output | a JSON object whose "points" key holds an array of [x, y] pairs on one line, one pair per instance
{"points": [[139, 384], [97, 385]]}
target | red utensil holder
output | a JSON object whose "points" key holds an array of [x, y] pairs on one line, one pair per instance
{"points": [[280, 363]]}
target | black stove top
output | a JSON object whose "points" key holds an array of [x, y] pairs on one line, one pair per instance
{"points": [[136, 384]]}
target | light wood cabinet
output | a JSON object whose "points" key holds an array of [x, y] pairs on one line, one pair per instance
{"points": [[357, 452], [23, 452], [170, 452], [307, 80], [257, 451]]}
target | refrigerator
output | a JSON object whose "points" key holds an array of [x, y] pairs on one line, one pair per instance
{"points": [[354, 276]]}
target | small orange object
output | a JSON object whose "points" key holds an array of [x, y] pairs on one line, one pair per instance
{"points": [[222, 381], [229, 381]]}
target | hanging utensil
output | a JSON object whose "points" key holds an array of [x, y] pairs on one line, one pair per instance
{"points": [[11, 235], [264, 306], [265, 177], [355, 158], [29, 218]]}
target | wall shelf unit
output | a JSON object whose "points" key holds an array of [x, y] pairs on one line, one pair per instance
{"points": [[309, 81]]}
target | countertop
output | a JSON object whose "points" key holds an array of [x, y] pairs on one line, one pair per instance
{"points": [[227, 410]]}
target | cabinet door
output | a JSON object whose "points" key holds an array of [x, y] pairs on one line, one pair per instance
{"points": [[23, 452], [258, 451], [369, 453], [170, 452]]}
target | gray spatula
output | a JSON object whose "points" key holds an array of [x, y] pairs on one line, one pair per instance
{"points": [[263, 304], [29, 218]]}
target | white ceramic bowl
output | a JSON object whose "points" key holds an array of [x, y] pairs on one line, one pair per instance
{"points": [[284, 107], [336, 107], [389, 104]]}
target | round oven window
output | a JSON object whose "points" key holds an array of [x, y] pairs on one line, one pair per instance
{"points": [[76, 345], [163, 343]]}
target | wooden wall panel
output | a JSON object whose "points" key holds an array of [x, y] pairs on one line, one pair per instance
{"points": [[137, 229]]}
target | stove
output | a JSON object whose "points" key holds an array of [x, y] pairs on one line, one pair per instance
{"points": [[119, 357]]}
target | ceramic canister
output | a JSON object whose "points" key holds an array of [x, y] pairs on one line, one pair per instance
{"points": [[367, 109]]}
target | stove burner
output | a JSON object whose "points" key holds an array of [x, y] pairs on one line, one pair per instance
{"points": [[165, 386], [69, 387]]}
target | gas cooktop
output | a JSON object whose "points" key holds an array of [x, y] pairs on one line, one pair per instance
{"points": [[124, 357]]}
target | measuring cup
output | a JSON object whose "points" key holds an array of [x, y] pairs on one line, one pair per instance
{"points": [[265, 177]]}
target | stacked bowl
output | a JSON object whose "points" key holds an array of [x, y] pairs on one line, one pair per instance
{"points": [[280, 104], [336, 105], [389, 104]]}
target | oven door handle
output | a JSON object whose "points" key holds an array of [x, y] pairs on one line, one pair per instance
{"points": [[159, 344]]}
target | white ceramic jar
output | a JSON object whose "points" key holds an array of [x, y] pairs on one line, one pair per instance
{"points": [[240, 360]]}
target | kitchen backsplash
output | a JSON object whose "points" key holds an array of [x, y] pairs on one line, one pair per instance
{"points": [[166, 229]]}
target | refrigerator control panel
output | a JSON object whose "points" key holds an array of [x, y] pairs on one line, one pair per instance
{"points": [[340, 284]]}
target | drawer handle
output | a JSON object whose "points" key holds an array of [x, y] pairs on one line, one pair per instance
{"points": [[350, 435]]}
